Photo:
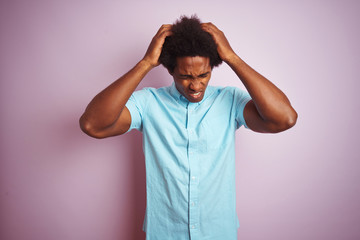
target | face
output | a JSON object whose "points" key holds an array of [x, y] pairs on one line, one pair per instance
{"points": [[191, 76]]}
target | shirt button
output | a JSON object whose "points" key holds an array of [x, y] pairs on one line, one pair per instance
{"points": [[193, 177], [193, 227], [192, 203]]}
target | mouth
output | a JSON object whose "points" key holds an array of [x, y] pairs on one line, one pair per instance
{"points": [[196, 95]]}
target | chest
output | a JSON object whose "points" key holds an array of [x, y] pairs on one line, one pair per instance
{"points": [[205, 126]]}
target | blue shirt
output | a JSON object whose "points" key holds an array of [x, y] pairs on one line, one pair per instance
{"points": [[190, 161]]}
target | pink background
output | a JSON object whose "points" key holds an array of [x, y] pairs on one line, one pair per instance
{"points": [[56, 183]]}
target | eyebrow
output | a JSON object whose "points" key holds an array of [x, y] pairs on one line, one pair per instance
{"points": [[187, 75]]}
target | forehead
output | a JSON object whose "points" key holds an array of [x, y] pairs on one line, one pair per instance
{"points": [[195, 64]]}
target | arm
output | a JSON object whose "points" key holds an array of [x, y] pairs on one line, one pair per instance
{"points": [[106, 115], [269, 111]]}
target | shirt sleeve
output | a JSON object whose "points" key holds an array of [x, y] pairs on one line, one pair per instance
{"points": [[137, 105], [241, 98]]}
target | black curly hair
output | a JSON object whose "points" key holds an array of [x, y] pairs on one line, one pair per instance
{"points": [[188, 39]]}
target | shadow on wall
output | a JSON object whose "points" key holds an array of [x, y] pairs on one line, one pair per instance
{"points": [[138, 205], [157, 78], [130, 203], [129, 189]]}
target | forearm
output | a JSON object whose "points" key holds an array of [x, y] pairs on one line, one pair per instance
{"points": [[105, 115], [271, 103], [107, 106], [270, 110]]}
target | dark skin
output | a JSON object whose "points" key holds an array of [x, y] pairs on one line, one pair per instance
{"points": [[269, 111]]}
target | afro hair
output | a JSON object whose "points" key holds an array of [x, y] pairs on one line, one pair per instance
{"points": [[188, 39]]}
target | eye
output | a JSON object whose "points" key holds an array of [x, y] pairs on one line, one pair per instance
{"points": [[203, 75], [184, 77]]}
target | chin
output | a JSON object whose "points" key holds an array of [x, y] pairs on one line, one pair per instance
{"points": [[194, 100]]}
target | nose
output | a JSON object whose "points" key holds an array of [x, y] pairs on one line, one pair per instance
{"points": [[195, 86]]}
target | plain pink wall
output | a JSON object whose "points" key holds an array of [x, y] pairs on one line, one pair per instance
{"points": [[56, 183]]}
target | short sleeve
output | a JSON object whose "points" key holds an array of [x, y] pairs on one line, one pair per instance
{"points": [[137, 106], [241, 98]]}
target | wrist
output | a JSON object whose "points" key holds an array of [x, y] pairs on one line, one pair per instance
{"points": [[232, 59], [145, 65]]}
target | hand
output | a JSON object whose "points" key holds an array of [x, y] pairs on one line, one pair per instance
{"points": [[154, 50], [223, 46]]}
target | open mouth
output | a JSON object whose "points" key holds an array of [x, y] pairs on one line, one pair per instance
{"points": [[196, 95]]}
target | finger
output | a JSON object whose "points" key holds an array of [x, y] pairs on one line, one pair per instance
{"points": [[210, 27], [164, 27], [165, 34]]}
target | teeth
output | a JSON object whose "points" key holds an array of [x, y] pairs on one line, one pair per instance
{"points": [[196, 94]]}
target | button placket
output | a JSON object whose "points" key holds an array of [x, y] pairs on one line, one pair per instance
{"points": [[193, 164]]}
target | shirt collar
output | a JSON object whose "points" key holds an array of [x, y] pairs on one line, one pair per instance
{"points": [[179, 97], [175, 93]]}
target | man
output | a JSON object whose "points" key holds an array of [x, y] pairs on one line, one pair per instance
{"points": [[189, 128]]}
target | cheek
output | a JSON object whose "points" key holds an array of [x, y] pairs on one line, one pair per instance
{"points": [[180, 85], [206, 81]]}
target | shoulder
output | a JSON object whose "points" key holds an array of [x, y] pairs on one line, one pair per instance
{"points": [[231, 97], [149, 95], [229, 91], [152, 91], [148, 92]]}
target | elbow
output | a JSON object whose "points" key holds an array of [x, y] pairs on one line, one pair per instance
{"points": [[88, 128], [289, 120]]}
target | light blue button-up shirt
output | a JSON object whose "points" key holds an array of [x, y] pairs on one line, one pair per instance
{"points": [[190, 161]]}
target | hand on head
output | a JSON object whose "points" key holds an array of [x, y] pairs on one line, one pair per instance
{"points": [[223, 46], [154, 50]]}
